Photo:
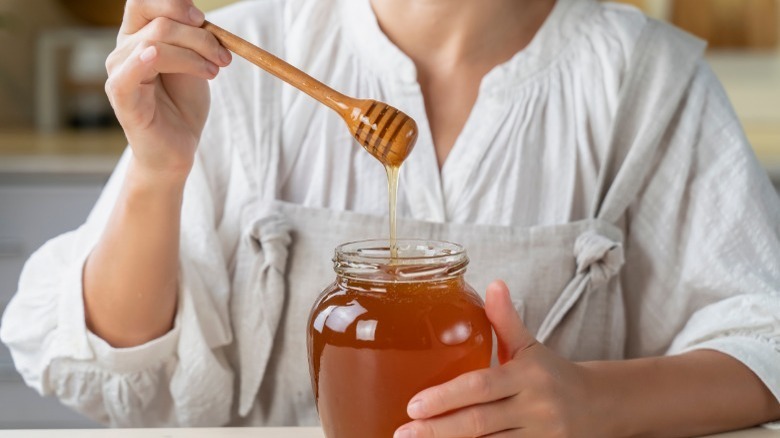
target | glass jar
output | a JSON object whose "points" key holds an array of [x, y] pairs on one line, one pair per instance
{"points": [[388, 328]]}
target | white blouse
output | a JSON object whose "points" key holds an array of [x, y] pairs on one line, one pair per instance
{"points": [[706, 223]]}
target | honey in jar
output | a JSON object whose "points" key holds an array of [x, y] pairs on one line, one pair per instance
{"points": [[389, 327]]}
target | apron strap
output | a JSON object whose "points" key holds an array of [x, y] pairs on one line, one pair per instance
{"points": [[270, 136], [261, 256], [255, 128], [662, 66]]}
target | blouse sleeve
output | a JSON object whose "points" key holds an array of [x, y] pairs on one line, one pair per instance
{"points": [[181, 378], [703, 248]]}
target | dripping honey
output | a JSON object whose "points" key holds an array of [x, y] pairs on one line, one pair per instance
{"points": [[374, 343], [392, 191]]}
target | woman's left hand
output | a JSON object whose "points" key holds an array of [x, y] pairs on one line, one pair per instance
{"points": [[533, 393]]}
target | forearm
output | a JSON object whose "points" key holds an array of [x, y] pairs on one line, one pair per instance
{"points": [[131, 277], [692, 394]]}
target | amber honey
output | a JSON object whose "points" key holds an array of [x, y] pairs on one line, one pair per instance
{"points": [[393, 173], [373, 344]]}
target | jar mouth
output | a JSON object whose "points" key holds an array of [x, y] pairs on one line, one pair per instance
{"points": [[417, 260]]}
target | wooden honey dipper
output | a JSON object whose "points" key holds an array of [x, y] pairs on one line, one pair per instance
{"points": [[384, 131]]}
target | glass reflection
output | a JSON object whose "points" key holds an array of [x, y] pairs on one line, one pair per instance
{"points": [[366, 330], [456, 334]]}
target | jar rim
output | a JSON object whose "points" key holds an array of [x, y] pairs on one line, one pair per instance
{"points": [[417, 260]]}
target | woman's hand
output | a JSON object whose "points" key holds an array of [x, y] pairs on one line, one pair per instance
{"points": [[533, 393], [157, 82]]}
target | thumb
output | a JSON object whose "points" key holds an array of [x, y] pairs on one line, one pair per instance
{"points": [[513, 336]]}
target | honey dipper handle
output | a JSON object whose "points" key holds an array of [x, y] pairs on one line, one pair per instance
{"points": [[281, 69]]}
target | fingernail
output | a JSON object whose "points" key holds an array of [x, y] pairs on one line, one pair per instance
{"points": [[212, 68], [148, 54], [415, 409], [196, 16], [224, 55], [404, 433]]}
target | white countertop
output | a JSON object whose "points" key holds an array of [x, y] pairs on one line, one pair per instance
{"points": [[247, 432]]}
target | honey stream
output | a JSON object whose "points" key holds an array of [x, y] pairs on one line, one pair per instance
{"points": [[392, 190]]}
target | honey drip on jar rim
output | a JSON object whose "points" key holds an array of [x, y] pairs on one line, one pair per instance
{"points": [[392, 190]]}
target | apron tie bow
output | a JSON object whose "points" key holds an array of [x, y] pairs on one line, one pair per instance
{"points": [[271, 235], [599, 256], [259, 285]]}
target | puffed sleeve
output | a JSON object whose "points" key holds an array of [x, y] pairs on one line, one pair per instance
{"points": [[180, 378], [185, 377], [703, 252]]}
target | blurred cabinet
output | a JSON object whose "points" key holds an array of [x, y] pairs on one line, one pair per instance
{"points": [[750, 24], [70, 78], [208, 5], [33, 209]]}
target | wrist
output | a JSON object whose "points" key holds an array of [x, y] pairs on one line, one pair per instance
{"points": [[165, 163], [144, 177], [613, 408], [152, 190]]}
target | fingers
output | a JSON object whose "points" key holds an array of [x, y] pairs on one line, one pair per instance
{"points": [[196, 39], [165, 30], [156, 58], [476, 421], [512, 433], [139, 13], [468, 389], [148, 61], [512, 334]]}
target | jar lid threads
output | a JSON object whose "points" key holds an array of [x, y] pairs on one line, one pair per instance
{"points": [[417, 261]]}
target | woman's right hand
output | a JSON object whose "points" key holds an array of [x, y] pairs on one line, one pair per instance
{"points": [[157, 82]]}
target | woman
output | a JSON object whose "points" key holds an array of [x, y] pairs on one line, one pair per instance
{"points": [[566, 123]]}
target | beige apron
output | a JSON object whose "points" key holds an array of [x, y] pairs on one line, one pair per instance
{"points": [[563, 278]]}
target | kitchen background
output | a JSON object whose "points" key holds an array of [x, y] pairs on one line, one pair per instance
{"points": [[59, 140]]}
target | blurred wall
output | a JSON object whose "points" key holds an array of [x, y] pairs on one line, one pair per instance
{"points": [[208, 5], [20, 22]]}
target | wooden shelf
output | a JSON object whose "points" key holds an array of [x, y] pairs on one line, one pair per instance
{"points": [[66, 152], [109, 142]]}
